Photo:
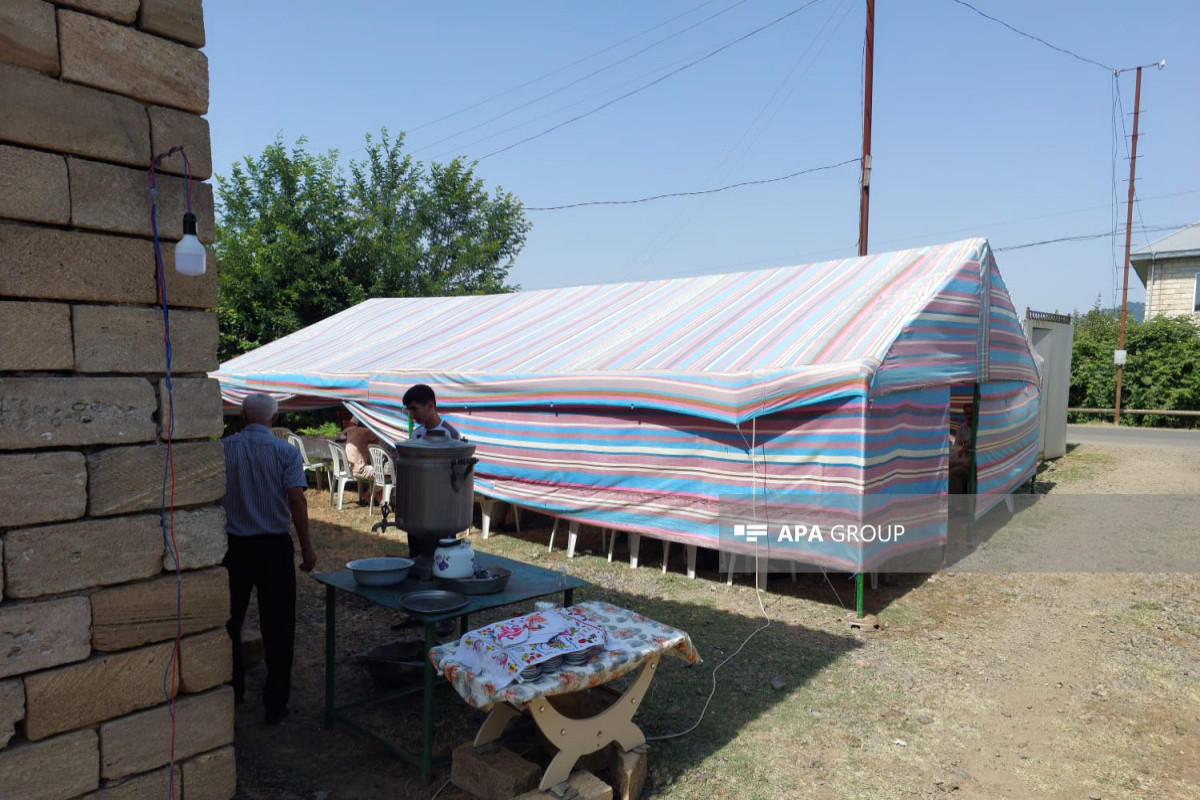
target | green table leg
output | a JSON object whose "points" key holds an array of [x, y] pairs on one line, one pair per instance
{"points": [[568, 598], [462, 625], [330, 637], [427, 712]]}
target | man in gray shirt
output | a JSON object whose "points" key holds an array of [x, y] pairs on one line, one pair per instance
{"points": [[264, 497]]}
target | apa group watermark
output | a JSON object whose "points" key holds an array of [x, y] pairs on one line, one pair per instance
{"points": [[755, 533]]}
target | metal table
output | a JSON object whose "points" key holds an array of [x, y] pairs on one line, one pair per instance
{"points": [[527, 583]]}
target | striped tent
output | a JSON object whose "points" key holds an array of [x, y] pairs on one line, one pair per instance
{"points": [[639, 406]]}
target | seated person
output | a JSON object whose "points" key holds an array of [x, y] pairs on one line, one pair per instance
{"points": [[358, 439], [960, 453], [421, 405]]}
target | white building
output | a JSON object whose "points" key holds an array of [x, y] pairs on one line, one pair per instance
{"points": [[1170, 271]]}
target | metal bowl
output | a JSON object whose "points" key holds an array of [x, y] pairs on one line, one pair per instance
{"points": [[395, 663], [383, 571], [491, 585]]}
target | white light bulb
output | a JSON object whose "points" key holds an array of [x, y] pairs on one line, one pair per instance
{"points": [[190, 256]]}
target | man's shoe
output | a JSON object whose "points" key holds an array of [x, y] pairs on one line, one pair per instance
{"points": [[276, 716]]}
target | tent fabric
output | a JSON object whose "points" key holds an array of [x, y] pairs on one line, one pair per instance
{"points": [[640, 406]]}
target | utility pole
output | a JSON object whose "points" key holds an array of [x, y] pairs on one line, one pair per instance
{"points": [[1137, 102], [865, 197]]}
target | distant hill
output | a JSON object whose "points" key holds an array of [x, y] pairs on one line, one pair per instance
{"points": [[1135, 311]]}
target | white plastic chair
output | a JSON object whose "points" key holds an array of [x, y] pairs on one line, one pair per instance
{"points": [[282, 433], [318, 468], [379, 460], [340, 472]]}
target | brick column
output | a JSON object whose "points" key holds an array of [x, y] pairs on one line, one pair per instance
{"points": [[90, 90]]}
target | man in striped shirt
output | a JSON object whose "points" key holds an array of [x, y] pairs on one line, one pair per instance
{"points": [[264, 497]]}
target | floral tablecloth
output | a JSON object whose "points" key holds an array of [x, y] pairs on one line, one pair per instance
{"points": [[632, 639]]}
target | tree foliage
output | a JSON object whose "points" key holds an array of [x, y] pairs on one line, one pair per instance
{"points": [[1162, 368], [297, 241]]}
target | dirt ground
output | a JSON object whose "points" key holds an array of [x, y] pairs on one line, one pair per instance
{"points": [[980, 685]]}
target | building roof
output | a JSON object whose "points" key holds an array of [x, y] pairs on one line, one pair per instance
{"points": [[1183, 243]]}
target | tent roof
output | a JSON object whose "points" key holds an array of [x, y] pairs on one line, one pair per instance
{"points": [[710, 345]]}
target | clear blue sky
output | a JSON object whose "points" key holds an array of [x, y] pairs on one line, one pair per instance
{"points": [[977, 131]]}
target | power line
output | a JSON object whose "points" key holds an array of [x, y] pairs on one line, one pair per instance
{"points": [[1080, 238], [1037, 39], [695, 193], [580, 79], [654, 82]]}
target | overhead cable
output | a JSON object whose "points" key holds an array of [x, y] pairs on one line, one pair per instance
{"points": [[694, 193], [654, 82], [1037, 39]]}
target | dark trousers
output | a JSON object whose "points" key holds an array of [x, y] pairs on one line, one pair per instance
{"points": [[265, 562]]}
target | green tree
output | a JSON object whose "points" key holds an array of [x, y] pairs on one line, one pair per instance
{"points": [[297, 242]]}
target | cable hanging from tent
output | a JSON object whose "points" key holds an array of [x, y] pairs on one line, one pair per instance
{"points": [[654, 82], [695, 193], [1037, 39]]}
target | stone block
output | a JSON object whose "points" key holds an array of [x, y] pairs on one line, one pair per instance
{"points": [[182, 20], [196, 403], [627, 772], [12, 708], [95, 690], [1, 571], [107, 197], [70, 265], [126, 479], [35, 185], [492, 772], [134, 744], [205, 661], [199, 539], [28, 35], [99, 53], [61, 476], [211, 776], [56, 769], [53, 115], [128, 339], [170, 127], [191, 291], [56, 559], [46, 634], [153, 785], [58, 412], [140, 613], [120, 10], [584, 785], [35, 336]]}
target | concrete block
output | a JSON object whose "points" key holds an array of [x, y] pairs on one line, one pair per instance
{"points": [[199, 539], [584, 784], [153, 785], [139, 613], [134, 744], [122, 480], [627, 773], [128, 339], [69, 265], [170, 127], [56, 559], [61, 487], [46, 634], [56, 769], [107, 197], [58, 412], [210, 776], [35, 185], [182, 20], [492, 772], [67, 118], [205, 661], [35, 336], [196, 403], [28, 35], [95, 690], [99, 53], [191, 291], [12, 708], [124, 11]]}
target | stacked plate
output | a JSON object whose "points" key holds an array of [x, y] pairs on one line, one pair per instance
{"points": [[551, 664], [578, 657], [529, 673]]}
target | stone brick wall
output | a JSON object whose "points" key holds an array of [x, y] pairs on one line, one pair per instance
{"points": [[89, 91], [1172, 288]]}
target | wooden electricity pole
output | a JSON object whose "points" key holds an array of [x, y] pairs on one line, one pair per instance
{"points": [[865, 197], [1137, 102]]}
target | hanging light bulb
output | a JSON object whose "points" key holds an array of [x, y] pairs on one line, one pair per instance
{"points": [[189, 253]]}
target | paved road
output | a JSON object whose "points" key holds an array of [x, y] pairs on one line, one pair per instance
{"points": [[1132, 437]]}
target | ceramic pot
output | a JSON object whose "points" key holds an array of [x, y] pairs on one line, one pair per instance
{"points": [[454, 558]]}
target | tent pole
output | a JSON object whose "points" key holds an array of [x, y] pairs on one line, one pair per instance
{"points": [[858, 594]]}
